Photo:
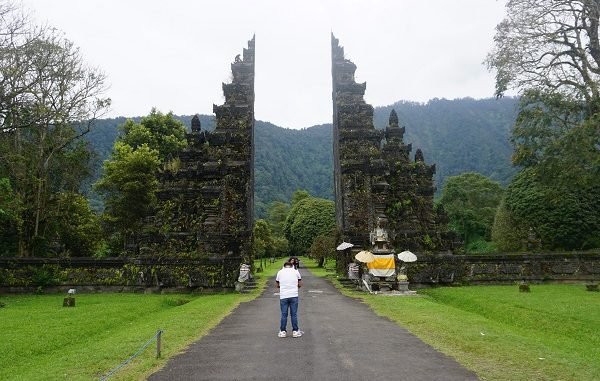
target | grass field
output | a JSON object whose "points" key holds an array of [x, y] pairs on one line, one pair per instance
{"points": [[41, 340], [551, 333]]}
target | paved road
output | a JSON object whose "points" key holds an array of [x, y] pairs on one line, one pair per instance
{"points": [[343, 340]]}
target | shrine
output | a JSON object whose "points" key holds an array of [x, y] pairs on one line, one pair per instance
{"points": [[374, 177]]}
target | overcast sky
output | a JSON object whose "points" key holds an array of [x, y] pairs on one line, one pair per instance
{"points": [[175, 54]]}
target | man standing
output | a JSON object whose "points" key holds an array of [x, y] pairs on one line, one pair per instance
{"points": [[288, 281]]}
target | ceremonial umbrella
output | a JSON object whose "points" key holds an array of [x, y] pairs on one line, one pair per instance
{"points": [[344, 246], [407, 256], [365, 257]]}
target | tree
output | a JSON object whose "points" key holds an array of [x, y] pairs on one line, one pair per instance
{"points": [[277, 213], [323, 248], [308, 219], [551, 135], [561, 217], [299, 195], [262, 240], [550, 51], [10, 222], [509, 232], [281, 247], [76, 225], [470, 200], [49, 99], [129, 182], [161, 132], [44, 80], [129, 186], [551, 46]]}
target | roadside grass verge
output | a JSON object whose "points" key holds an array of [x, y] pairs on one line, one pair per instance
{"points": [[500, 333], [41, 340]]}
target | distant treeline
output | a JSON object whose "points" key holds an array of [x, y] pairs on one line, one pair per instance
{"points": [[462, 135]]}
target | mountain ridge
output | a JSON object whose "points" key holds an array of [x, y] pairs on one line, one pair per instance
{"points": [[460, 135]]}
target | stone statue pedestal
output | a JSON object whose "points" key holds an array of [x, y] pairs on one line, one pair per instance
{"points": [[402, 286], [69, 302]]}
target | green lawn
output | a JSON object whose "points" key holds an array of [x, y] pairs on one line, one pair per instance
{"points": [[41, 340], [551, 333]]}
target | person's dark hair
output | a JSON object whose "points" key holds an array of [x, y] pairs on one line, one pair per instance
{"points": [[288, 264]]}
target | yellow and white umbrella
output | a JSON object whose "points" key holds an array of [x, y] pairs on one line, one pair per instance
{"points": [[344, 246], [365, 257], [407, 256]]}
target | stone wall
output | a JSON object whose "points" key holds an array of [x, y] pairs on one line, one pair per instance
{"points": [[184, 275], [447, 269], [117, 274]]}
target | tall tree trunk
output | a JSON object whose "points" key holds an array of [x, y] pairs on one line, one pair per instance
{"points": [[20, 173], [43, 165], [40, 184]]}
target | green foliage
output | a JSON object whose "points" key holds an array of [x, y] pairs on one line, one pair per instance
{"points": [[281, 247], [129, 181], [460, 135], [471, 200], [129, 186], [323, 248], [7, 200], [509, 232], [161, 132], [541, 125], [298, 196], [309, 218], [552, 134], [262, 240], [10, 219], [287, 160], [481, 246], [556, 135], [562, 217], [44, 276], [277, 213], [49, 98], [77, 226], [33, 186]]}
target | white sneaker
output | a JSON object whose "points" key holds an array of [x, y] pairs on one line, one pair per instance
{"points": [[282, 334], [297, 333]]}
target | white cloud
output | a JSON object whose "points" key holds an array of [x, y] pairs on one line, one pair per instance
{"points": [[174, 55]]}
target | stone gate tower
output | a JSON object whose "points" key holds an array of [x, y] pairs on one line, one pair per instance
{"points": [[206, 191], [375, 180]]}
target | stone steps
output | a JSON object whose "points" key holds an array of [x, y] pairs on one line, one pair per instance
{"points": [[249, 286]]}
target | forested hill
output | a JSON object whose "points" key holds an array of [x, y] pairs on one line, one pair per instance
{"points": [[458, 135]]}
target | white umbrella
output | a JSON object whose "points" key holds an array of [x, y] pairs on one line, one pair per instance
{"points": [[365, 257], [407, 256], [344, 246]]}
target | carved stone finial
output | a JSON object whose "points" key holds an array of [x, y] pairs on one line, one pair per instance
{"points": [[196, 127], [393, 119], [419, 156]]}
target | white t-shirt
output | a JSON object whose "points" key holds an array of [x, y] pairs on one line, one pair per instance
{"points": [[288, 278]]}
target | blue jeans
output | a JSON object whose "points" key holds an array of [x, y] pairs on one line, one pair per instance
{"points": [[292, 305]]}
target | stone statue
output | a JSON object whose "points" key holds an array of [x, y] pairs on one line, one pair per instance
{"points": [[419, 156], [393, 121], [379, 234]]}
